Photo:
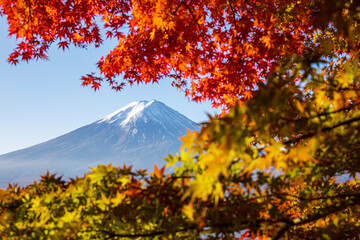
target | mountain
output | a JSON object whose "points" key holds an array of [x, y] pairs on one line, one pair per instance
{"points": [[139, 134]]}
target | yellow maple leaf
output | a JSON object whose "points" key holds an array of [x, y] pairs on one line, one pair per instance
{"points": [[188, 210]]}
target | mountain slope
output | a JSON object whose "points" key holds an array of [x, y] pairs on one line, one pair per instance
{"points": [[139, 134]]}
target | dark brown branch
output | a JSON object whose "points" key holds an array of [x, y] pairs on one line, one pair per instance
{"points": [[283, 229], [196, 21], [338, 196], [153, 234], [181, 177], [234, 18], [351, 106], [177, 8], [30, 19], [343, 89], [308, 135], [287, 224], [235, 26], [142, 235]]}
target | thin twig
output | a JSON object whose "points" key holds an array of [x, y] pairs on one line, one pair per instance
{"points": [[308, 135], [351, 106], [288, 223], [141, 235], [30, 19], [196, 21], [177, 8]]}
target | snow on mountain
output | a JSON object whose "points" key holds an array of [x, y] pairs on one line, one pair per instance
{"points": [[138, 134]]}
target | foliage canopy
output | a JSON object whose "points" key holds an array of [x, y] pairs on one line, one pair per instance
{"points": [[284, 164], [217, 50]]}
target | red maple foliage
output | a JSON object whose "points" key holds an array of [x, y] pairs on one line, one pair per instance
{"points": [[215, 50]]}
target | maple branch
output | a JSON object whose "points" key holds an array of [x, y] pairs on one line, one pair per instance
{"points": [[287, 224], [308, 135], [351, 106], [236, 35], [234, 19], [177, 8], [196, 21], [338, 196], [181, 177], [169, 37], [141, 235], [341, 89], [30, 19]]}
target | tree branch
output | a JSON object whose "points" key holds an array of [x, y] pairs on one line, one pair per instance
{"points": [[287, 224], [30, 19], [196, 21], [351, 106], [177, 8], [141, 235], [234, 18], [308, 135]]}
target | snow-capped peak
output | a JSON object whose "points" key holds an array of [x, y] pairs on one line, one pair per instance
{"points": [[130, 112], [145, 112]]}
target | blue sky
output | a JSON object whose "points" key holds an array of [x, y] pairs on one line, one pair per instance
{"points": [[41, 100]]}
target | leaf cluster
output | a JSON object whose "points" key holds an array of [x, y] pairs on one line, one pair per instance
{"points": [[108, 203], [213, 50]]}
